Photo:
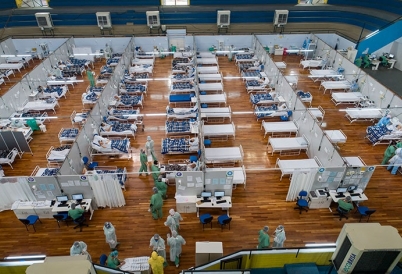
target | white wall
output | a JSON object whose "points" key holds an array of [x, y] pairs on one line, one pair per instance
{"points": [[23, 45], [147, 43], [397, 51], [284, 41], [118, 45], [203, 43]]}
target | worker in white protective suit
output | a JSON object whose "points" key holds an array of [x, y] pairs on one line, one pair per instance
{"points": [[110, 234], [173, 220]]}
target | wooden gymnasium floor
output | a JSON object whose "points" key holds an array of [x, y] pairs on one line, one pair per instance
{"points": [[261, 203]]}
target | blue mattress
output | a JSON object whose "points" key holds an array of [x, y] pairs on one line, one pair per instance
{"points": [[176, 98]]}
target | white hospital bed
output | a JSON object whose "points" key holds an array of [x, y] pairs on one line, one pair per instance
{"points": [[311, 63], [67, 135], [239, 174], [13, 66], [207, 61], [66, 81], [335, 85], [213, 99], [42, 171], [219, 131], [292, 80], [210, 77], [205, 54], [218, 87], [354, 161], [318, 113], [336, 136], [79, 117], [322, 74], [129, 131], [96, 149], [216, 114], [181, 113], [287, 167], [142, 61], [363, 114], [288, 146], [141, 69], [280, 65], [9, 159], [41, 105], [224, 155], [19, 59], [279, 129], [207, 70], [346, 98], [56, 156]]}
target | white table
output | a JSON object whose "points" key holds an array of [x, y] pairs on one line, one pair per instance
{"points": [[357, 199], [87, 207], [23, 209], [392, 63], [213, 204]]}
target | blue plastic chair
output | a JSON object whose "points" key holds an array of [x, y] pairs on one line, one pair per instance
{"points": [[206, 219], [302, 203], [224, 220], [365, 211], [207, 142], [30, 220], [61, 217], [90, 165]]}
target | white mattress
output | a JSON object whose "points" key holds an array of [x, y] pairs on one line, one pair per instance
{"points": [[288, 126], [323, 72], [39, 105], [316, 112], [141, 69], [288, 143], [207, 61], [365, 113], [18, 59], [335, 85], [311, 63], [207, 70], [280, 65], [354, 161], [210, 86], [335, 136], [216, 112], [292, 79], [219, 130], [12, 66], [143, 62], [347, 96], [213, 98], [58, 156], [289, 166], [223, 154], [210, 77], [206, 54], [238, 173]]}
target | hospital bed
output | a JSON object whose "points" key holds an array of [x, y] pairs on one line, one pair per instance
{"points": [[216, 87], [183, 54], [213, 99], [8, 156], [210, 77], [208, 70], [58, 154], [133, 88], [115, 146], [216, 114], [135, 78], [382, 135], [263, 98], [281, 65], [255, 86], [44, 171], [179, 145], [116, 128], [181, 113], [6, 73], [239, 174], [205, 54], [288, 167], [182, 99], [221, 131], [354, 161], [335, 85], [97, 90], [79, 117], [106, 70], [244, 66], [280, 129], [179, 69], [53, 92], [143, 61], [245, 57], [182, 87], [292, 80], [224, 155], [121, 173], [123, 114], [363, 114], [40, 117], [125, 100], [1, 81], [79, 62], [112, 62], [183, 77], [346, 98], [143, 55], [89, 98], [288, 146], [323, 74], [67, 135], [142, 69], [270, 111], [13, 66], [317, 113], [40, 105], [19, 59], [251, 75], [207, 61], [102, 79], [187, 126], [55, 81], [182, 62], [311, 63], [306, 97], [336, 137]]}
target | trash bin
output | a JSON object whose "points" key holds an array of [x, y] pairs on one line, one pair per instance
{"points": [[173, 48]]}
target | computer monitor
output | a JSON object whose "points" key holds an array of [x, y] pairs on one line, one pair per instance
{"points": [[341, 190], [219, 194], [205, 195], [78, 197], [390, 56], [62, 199], [352, 188]]}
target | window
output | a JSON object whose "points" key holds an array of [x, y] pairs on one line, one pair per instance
{"points": [[175, 2], [102, 20]]}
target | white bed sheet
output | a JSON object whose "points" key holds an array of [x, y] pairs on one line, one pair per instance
{"points": [[293, 143], [40, 105], [346, 98], [223, 154], [311, 63], [279, 127], [207, 70], [142, 62], [180, 113], [18, 59], [223, 112], [219, 130], [210, 86], [213, 98], [17, 66], [205, 54], [210, 77], [207, 61], [287, 167], [58, 156], [335, 85], [354, 161], [280, 65], [141, 69], [335, 136], [364, 113]]}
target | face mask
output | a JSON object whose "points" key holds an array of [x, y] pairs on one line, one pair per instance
{"points": [[156, 240]]}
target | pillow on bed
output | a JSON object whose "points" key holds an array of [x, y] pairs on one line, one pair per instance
{"points": [[302, 141]]}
